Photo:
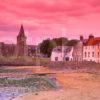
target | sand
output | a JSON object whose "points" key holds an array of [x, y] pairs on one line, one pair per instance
{"points": [[74, 86]]}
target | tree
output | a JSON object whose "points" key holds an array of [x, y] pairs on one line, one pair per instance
{"points": [[60, 41], [72, 42], [46, 47]]}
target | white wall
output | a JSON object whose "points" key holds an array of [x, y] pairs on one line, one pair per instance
{"points": [[61, 56], [90, 57], [57, 54]]}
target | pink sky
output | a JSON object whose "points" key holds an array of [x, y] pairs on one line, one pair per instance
{"points": [[48, 18]]}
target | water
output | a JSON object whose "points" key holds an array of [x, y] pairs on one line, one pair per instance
{"points": [[7, 95], [10, 93]]}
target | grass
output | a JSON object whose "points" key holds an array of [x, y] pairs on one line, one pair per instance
{"points": [[51, 83], [14, 61], [38, 83], [26, 58], [12, 70], [31, 61]]}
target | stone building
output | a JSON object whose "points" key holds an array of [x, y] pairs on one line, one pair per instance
{"points": [[21, 47], [78, 52], [87, 49], [91, 50], [32, 50], [1, 48], [9, 50]]}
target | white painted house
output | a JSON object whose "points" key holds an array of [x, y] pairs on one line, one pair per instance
{"points": [[62, 53], [91, 53]]}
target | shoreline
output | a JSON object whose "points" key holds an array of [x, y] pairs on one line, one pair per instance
{"points": [[76, 86]]}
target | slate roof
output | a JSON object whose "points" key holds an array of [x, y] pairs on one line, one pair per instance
{"points": [[64, 49]]}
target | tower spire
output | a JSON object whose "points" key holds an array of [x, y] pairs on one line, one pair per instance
{"points": [[21, 32], [21, 47]]}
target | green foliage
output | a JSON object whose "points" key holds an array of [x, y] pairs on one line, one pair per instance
{"points": [[39, 83], [72, 42], [12, 70], [60, 41], [51, 83], [40, 59], [47, 45]]}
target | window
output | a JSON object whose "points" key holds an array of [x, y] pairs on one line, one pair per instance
{"points": [[88, 54], [98, 54], [59, 50], [98, 46], [67, 58], [92, 54], [56, 58], [85, 54]]}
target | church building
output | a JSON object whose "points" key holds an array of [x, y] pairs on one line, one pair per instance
{"points": [[21, 47]]}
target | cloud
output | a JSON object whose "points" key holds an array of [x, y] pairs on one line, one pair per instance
{"points": [[49, 16]]}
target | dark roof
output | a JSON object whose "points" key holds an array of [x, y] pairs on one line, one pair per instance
{"points": [[64, 49], [21, 32]]}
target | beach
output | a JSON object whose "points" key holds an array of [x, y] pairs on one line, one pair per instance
{"points": [[74, 86]]}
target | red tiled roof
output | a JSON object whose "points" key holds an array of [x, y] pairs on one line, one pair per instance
{"points": [[93, 41]]}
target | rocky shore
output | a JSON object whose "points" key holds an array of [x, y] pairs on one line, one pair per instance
{"points": [[13, 87]]}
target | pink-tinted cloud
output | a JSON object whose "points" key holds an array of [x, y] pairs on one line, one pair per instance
{"points": [[49, 18]]}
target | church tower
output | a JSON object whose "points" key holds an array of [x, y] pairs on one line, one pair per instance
{"points": [[21, 48]]}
